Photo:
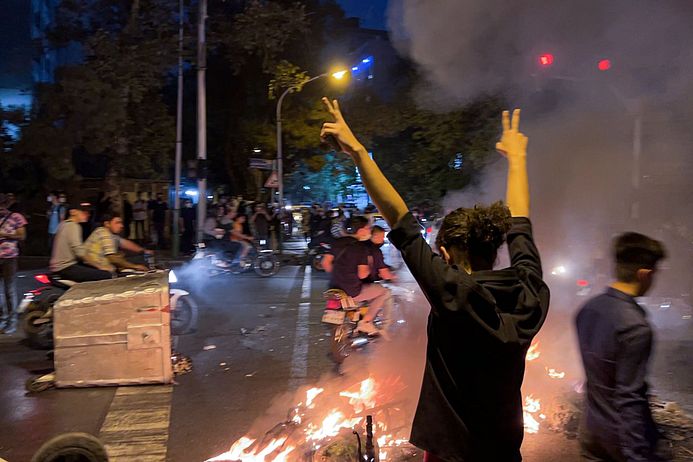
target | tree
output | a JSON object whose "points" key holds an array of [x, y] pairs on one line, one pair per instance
{"points": [[111, 103]]}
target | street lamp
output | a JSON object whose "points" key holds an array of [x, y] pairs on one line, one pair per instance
{"points": [[339, 75]]}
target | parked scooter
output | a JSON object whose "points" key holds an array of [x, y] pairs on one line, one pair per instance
{"points": [[36, 308]]}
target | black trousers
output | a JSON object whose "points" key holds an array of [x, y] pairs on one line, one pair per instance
{"points": [[8, 268], [140, 230], [83, 273], [160, 239]]}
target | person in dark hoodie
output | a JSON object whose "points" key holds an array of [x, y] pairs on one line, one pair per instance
{"points": [[481, 321]]}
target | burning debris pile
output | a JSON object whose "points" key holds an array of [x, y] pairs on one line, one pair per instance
{"points": [[559, 409], [330, 426]]}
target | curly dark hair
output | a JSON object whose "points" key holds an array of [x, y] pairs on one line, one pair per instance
{"points": [[477, 232]]}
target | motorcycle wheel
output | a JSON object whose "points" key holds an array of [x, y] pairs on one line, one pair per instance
{"points": [[184, 316], [72, 447], [341, 343], [266, 265], [316, 263], [39, 335]]}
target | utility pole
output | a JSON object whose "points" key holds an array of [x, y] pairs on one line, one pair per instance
{"points": [[179, 136], [637, 154], [201, 121]]}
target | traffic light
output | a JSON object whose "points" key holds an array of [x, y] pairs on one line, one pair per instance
{"points": [[546, 60], [604, 65]]}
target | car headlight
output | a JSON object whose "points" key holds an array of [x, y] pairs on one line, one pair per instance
{"points": [[172, 279]]}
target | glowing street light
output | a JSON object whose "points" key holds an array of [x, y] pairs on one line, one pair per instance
{"points": [[339, 75]]}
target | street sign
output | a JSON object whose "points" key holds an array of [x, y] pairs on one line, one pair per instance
{"points": [[272, 181], [261, 164]]}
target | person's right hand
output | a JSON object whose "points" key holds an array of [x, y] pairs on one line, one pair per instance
{"points": [[513, 143], [339, 129]]}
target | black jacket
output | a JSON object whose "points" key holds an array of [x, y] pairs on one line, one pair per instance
{"points": [[615, 342], [479, 330]]}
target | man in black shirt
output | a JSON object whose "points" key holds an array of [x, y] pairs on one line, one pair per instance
{"points": [[481, 321], [188, 216], [615, 342], [379, 270], [349, 265], [158, 209]]}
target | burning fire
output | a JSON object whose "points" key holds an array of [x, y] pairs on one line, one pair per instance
{"points": [[311, 395], [317, 431], [364, 398], [532, 406], [238, 451], [533, 352]]}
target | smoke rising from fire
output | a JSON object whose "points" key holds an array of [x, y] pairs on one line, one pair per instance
{"points": [[582, 124]]}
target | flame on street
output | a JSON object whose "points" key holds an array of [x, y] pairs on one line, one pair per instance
{"points": [[310, 430]]}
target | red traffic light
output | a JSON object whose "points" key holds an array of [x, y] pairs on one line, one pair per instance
{"points": [[546, 59], [604, 65], [583, 283]]}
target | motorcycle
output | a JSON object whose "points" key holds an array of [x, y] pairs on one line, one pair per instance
{"points": [[36, 309], [343, 314], [263, 261], [316, 255]]}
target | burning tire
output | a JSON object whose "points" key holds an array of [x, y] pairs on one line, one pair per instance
{"points": [[341, 342], [75, 447]]}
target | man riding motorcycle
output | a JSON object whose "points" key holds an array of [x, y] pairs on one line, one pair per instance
{"points": [[67, 256], [348, 263], [217, 234], [103, 245], [380, 271]]}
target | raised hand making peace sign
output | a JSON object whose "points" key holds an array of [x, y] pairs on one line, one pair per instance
{"points": [[513, 143], [339, 129]]}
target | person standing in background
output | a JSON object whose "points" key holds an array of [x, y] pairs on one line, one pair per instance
{"points": [[128, 216], [188, 216], [56, 214], [159, 208], [139, 214], [12, 230]]}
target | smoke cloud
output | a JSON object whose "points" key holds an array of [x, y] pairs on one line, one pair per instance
{"points": [[609, 151]]}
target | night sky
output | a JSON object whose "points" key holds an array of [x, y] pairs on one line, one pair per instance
{"points": [[371, 12]]}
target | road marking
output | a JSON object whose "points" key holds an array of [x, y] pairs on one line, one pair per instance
{"points": [[305, 288], [299, 358], [137, 423]]}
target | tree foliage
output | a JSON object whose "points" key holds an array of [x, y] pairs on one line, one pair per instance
{"points": [[110, 103]]}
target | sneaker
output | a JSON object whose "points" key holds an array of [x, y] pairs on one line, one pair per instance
{"points": [[367, 328]]}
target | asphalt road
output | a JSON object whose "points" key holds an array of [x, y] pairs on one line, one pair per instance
{"points": [[258, 343]]}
